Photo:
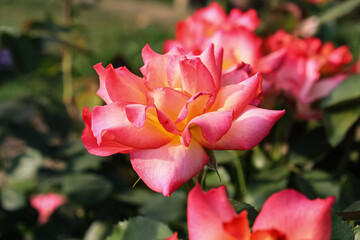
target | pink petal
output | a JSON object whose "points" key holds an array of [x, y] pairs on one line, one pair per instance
{"points": [[208, 59], [136, 114], [107, 146], [196, 77], [194, 106], [112, 119], [325, 86], [147, 53], [270, 234], [173, 237], [238, 227], [285, 211], [121, 85], [212, 125], [168, 100], [247, 130], [248, 19], [271, 62], [166, 168], [207, 212], [236, 75], [236, 97], [213, 14], [102, 92]]}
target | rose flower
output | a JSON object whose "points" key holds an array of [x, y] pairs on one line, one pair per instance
{"points": [[165, 119]]}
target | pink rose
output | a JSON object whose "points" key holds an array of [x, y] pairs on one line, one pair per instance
{"points": [[310, 70], [46, 204], [182, 105], [286, 215], [233, 32]]}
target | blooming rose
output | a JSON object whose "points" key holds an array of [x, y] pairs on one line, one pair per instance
{"points": [[286, 215], [234, 33], [182, 105], [310, 70], [46, 204]]}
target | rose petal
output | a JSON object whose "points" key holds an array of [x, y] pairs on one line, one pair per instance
{"points": [[166, 168], [325, 86], [246, 131], [112, 119], [120, 85], [102, 92], [285, 211], [207, 212], [239, 227], [236, 97], [196, 77], [212, 125], [107, 146]]}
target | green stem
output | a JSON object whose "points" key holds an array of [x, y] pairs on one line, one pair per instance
{"points": [[240, 177]]}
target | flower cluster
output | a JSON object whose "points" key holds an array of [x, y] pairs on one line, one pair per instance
{"points": [[182, 105], [304, 69], [310, 69]]}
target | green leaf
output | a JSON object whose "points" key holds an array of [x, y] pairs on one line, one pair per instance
{"points": [[349, 190], [97, 231], [86, 189], [26, 165], [12, 199], [339, 10], [340, 230], [225, 156], [338, 122], [345, 93], [165, 209], [140, 228], [265, 184], [241, 206]]}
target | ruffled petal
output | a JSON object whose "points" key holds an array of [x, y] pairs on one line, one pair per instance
{"points": [[246, 131], [208, 59], [107, 146], [166, 168], [207, 212], [168, 100], [194, 106], [238, 96], [285, 211], [120, 85], [212, 126], [112, 119], [196, 77], [236, 75]]}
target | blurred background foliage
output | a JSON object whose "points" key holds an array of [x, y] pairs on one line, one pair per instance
{"points": [[47, 50]]}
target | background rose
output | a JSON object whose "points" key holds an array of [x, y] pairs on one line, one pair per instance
{"points": [[46, 204], [310, 70], [165, 119], [233, 32], [211, 216]]}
